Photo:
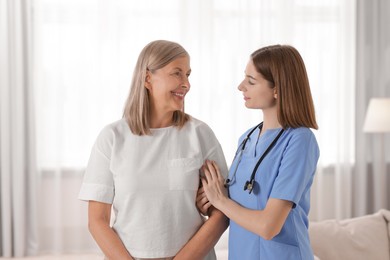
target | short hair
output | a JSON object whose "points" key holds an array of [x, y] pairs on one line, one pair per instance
{"points": [[154, 56], [283, 67]]}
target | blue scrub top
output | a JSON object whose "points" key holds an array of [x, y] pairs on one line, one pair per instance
{"points": [[286, 173]]}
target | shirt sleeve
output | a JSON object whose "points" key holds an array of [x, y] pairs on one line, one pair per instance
{"points": [[212, 150], [297, 168], [98, 184], [216, 154]]}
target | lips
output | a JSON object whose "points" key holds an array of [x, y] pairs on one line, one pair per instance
{"points": [[179, 94]]}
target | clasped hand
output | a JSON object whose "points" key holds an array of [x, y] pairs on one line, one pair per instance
{"points": [[213, 191]]}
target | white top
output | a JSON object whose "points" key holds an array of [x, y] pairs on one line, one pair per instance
{"points": [[151, 181]]}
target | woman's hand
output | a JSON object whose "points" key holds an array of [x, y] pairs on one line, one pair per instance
{"points": [[202, 202], [213, 184]]}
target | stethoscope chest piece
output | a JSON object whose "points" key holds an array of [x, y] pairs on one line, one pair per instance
{"points": [[249, 185]]}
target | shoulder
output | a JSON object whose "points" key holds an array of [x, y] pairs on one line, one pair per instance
{"points": [[302, 133], [110, 134], [303, 137], [196, 122], [113, 128], [200, 130], [198, 125]]}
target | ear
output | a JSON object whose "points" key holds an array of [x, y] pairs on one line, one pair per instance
{"points": [[148, 83], [275, 93]]}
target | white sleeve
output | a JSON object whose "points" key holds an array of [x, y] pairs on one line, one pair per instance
{"points": [[212, 149], [98, 184], [216, 154]]}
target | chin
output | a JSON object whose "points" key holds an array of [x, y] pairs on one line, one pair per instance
{"points": [[179, 107], [251, 107]]}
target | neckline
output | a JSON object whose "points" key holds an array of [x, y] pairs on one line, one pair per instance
{"points": [[268, 131], [271, 132], [161, 128]]}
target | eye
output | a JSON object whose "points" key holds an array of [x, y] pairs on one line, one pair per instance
{"points": [[251, 83], [177, 73]]}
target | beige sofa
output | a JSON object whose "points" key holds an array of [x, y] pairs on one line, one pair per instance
{"points": [[362, 238]]}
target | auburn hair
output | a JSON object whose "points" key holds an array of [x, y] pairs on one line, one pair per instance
{"points": [[283, 67], [154, 56]]}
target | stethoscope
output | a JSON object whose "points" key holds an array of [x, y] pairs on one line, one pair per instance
{"points": [[250, 183]]}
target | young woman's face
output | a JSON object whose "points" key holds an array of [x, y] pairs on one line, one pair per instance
{"points": [[169, 85], [258, 92]]}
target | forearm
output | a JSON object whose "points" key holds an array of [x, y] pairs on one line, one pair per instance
{"points": [[251, 220], [108, 241], [266, 223], [205, 239]]}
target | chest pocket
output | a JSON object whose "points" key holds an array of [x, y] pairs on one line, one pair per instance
{"points": [[184, 173]]}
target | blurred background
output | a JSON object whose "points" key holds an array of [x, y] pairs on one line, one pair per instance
{"points": [[65, 71]]}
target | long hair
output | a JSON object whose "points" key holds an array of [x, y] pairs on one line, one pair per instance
{"points": [[154, 56], [283, 67]]}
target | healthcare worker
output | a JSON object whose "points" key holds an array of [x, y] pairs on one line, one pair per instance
{"points": [[271, 175]]}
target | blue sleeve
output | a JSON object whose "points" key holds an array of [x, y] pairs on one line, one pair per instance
{"points": [[297, 167]]}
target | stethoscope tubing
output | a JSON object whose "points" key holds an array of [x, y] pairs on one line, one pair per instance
{"points": [[249, 184], [239, 152]]}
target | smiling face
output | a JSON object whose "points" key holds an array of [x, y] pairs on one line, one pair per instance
{"points": [[258, 92], [168, 85]]}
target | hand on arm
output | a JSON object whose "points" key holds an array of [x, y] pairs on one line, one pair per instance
{"points": [[205, 238], [213, 184], [99, 225], [208, 234], [202, 203], [266, 223]]}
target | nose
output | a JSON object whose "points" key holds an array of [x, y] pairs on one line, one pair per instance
{"points": [[186, 83], [241, 86]]}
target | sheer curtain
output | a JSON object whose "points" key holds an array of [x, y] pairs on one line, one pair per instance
{"points": [[87, 50], [373, 80], [18, 229]]}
